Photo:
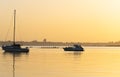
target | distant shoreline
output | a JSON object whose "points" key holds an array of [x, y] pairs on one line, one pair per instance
{"points": [[35, 43]]}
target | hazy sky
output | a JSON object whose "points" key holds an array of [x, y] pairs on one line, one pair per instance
{"points": [[61, 20]]}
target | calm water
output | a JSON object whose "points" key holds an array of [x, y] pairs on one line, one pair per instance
{"points": [[93, 62]]}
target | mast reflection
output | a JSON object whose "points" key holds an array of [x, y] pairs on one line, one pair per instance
{"points": [[15, 54], [13, 64]]}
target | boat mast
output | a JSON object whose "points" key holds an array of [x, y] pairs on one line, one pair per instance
{"points": [[14, 27]]}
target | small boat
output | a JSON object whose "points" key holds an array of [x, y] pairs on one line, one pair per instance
{"points": [[14, 47], [74, 48]]}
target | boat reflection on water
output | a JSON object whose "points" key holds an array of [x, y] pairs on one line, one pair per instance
{"points": [[17, 54], [73, 54], [14, 55]]}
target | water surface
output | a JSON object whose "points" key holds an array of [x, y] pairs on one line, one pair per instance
{"points": [[93, 62]]}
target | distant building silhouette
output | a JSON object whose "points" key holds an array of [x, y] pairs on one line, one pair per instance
{"points": [[44, 40]]}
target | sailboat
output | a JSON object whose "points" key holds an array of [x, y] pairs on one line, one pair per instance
{"points": [[14, 47]]}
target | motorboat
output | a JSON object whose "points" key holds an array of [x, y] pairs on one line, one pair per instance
{"points": [[74, 48]]}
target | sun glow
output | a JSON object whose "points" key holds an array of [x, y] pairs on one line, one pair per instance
{"points": [[63, 20]]}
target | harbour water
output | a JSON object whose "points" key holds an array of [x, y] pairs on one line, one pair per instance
{"points": [[42, 62]]}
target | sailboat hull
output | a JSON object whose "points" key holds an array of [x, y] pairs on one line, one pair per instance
{"points": [[13, 48], [16, 50]]}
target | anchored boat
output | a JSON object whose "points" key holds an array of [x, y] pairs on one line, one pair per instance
{"points": [[14, 47], [74, 48]]}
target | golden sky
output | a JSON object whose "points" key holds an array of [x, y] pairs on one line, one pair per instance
{"points": [[62, 20]]}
